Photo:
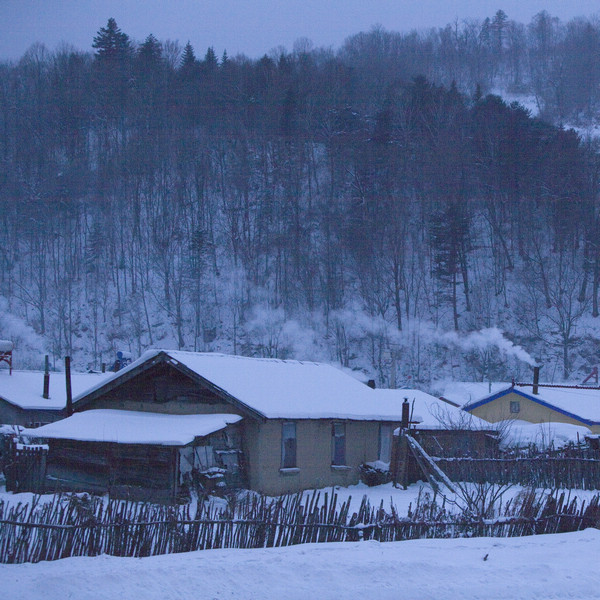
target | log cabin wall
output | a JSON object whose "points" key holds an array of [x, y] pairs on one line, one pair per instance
{"points": [[458, 442], [124, 470], [162, 389], [137, 471]]}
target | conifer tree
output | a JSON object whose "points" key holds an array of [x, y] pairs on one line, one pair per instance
{"points": [[113, 54], [111, 43]]}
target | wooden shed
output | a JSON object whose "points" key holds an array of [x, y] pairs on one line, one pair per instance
{"points": [[140, 455]]}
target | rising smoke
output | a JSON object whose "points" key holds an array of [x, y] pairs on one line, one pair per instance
{"points": [[485, 338]]}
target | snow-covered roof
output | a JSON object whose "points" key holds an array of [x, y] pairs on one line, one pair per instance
{"points": [[516, 433], [281, 389], [432, 413], [464, 392], [25, 388], [132, 427], [578, 402]]}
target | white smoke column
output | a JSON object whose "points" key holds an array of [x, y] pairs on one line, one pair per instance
{"points": [[485, 338]]}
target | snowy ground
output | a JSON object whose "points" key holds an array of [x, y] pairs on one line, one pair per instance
{"points": [[540, 567]]}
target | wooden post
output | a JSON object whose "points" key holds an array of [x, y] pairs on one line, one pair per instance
{"points": [[402, 458], [69, 406], [46, 393]]}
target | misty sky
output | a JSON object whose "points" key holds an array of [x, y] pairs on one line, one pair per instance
{"points": [[251, 27]]}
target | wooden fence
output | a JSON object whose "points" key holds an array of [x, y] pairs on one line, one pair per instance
{"points": [[576, 466], [25, 467], [550, 472], [72, 526]]}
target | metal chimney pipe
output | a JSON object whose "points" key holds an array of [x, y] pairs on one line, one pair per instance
{"points": [[69, 406], [536, 379], [46, 393], [405, 413]]}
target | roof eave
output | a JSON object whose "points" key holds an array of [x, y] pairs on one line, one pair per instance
{"points": [[165, 357]]}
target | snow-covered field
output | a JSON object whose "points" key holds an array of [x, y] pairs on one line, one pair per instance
{"points": [[540, 567]]}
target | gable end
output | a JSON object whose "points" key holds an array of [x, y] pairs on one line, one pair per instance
{"points": [[534, 399], [163, 358]]}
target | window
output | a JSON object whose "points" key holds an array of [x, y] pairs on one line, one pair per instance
{"points": [[385, 442], [515, 406], [288, 446], [338, 444]]}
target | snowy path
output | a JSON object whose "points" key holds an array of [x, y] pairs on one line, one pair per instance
{"points": [[542, 568]]}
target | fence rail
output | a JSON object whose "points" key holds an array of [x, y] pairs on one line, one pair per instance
{"points": [[70, 526], [540, 471]]}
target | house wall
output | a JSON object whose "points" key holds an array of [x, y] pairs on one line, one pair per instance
{"points": [[262, 446], [162, 390], [147, 472], [15, 415], [532, 412]]}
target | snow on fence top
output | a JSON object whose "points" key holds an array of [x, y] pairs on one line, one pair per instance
{"points": [[520, 434]]}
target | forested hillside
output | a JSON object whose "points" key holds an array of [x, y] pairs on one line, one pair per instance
{"points": [[367, 205]]}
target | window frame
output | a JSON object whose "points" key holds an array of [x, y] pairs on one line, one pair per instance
{"points": [[515, 407], [289, 452], [388, 428], [338, 444]]}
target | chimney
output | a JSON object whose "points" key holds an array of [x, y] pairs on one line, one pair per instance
{"points": [[371, 383], [405, 413], [536, 378], [69, 407], [46, 393]]}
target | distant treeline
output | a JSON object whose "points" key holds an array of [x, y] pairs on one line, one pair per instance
{"points": [[312, 204]]}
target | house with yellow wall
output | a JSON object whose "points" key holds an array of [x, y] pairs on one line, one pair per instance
{"points": [[576, 405]]}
